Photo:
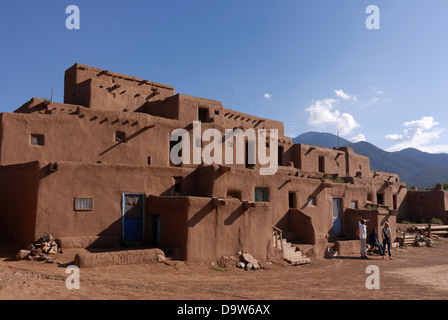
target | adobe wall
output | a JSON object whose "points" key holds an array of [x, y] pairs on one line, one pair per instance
{"points": [[424, 205], [224, 230], [102, 89], [377, 219], [79, 134], [343, 161], [18, 201], [106, 185], [74, 133], [173, 212]]}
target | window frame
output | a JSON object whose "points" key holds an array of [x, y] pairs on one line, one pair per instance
{"points": [[83, 209], [37, 136]]}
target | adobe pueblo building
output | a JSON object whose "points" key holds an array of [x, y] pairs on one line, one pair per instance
{"points": [[98, 167]]}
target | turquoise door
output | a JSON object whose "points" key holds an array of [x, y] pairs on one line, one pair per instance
{"points": [[133, 213], [337, 216]]}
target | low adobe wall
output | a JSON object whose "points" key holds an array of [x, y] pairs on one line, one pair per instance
{"points": [[91, 260]]}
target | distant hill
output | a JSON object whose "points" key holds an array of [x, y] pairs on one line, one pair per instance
{"points": [[320, 139], [415, 168]]}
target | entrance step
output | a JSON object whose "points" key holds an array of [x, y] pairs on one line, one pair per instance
{"points": [[292, 254]]}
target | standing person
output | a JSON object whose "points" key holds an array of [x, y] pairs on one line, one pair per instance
{"points": [[387, 236], [373, 241], [363, 236]]}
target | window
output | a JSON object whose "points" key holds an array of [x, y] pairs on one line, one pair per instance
{"points": [[260, 195], [120, 137], [379, 198], [291, 200], [37, 140], [177, 184], [311, 201], [354, 204], [280, 155], [83, 204], [203, 114], [395, 201], [233, 194], [149, 160], [322, 164]]}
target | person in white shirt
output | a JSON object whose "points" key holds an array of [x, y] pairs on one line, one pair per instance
{"points": [[363, 237], [387, 236]]}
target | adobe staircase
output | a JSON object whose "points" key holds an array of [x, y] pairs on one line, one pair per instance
{"points": [[291, 253]]}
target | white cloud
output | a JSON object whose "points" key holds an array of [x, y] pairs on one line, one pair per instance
{"points": [[321, 113], [418, 134], [358, 138], [394, 137], [267, 96], [345, 96]]}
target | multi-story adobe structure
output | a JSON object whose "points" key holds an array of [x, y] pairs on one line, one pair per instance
{"points": [[99, 165]]}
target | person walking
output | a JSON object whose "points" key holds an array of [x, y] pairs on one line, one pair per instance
{"points": [[373, 241], [363, 237], [387, 236]]}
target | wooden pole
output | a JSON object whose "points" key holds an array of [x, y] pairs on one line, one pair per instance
{"points": [[429, 230]]}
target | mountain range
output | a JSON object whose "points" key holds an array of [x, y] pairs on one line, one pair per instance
{"points": [[415, 168]]}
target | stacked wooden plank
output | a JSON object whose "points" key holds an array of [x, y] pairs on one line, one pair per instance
{"points": [[430, 230]]}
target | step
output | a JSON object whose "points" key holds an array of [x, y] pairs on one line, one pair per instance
{"points": [[293, 255], [298, 261]]}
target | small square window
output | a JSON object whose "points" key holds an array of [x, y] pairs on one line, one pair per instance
{"points": [[312, 201], [37, 140], [354, 204], [233, 194], [120, 137], [260, 195], [83, 204]]}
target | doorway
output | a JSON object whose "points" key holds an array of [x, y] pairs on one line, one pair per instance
{"points": [[133, 209], [337, 216]]}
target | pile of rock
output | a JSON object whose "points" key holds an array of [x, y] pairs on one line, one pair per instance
{"points": [[41, 249], [247, 261]]}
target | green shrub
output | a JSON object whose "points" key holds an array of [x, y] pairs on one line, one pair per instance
{"points": [[436, 221]]}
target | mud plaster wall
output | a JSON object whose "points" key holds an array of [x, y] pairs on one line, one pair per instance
{"points": [[106, 185], [102, 89], [224, 230], [173, 226], [18, 201], [377, 220], [424, 205], [84, 138]]}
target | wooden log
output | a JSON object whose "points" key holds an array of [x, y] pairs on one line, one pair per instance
{"points": [[433, 227], [439, 232]]}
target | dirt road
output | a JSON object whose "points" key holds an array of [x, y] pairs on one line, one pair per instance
{"points": [[415, 273]]}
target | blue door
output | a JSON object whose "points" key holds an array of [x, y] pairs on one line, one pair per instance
{"points": [[133, 210], [337, 216]]}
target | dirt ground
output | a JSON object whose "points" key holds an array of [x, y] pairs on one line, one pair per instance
{"points": [[415, 273]]}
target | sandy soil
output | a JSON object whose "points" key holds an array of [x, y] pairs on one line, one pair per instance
{"points": [[416, 273]]}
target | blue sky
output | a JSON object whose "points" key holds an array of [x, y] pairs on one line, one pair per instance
{"points": [[312, 64]]}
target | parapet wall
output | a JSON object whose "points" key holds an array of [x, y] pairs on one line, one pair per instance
{"points": [[101, 89]]}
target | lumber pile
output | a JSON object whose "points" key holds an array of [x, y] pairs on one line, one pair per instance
{"points": [[414, 239], [430, 230], [41, 249]]}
